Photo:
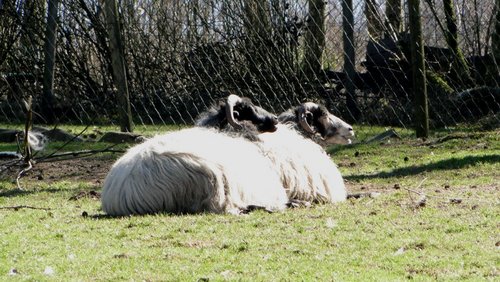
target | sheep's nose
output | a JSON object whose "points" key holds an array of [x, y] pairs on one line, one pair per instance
{"points": [[275, 119], [351, 131]]}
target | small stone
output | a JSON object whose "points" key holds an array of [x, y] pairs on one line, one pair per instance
{"points": [[13, 272], [330, 223], [400, 251], [49, 271]]}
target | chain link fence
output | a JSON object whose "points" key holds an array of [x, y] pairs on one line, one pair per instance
{"points": [[182, 56]]}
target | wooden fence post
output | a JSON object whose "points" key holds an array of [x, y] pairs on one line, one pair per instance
{"points": [[314, 39], [418, 71], [48, 98], [349, 59], [118, 65]]}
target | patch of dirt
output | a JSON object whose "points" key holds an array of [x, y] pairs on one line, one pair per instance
{"points": [[92, 170], [86, 194], [354, 187]]}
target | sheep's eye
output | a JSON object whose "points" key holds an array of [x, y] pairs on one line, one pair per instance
{"points": [[331, 132]]}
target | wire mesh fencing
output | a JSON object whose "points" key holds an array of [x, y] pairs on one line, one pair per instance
{"points": [[182, 56]]}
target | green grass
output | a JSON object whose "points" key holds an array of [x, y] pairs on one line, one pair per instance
{"points": [[386, 238]]}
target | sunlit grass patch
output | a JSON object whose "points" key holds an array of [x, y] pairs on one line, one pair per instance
{"points": [[54, 228]]}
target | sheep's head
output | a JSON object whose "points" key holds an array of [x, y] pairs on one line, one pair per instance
{"points": [[316, 119], [241, 112]]}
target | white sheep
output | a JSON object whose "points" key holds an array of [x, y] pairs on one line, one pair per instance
{"points": [[307, 172], [305, 169], [205, 170], [199, 169], [189, 171]]}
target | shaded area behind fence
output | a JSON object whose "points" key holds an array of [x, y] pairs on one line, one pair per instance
{"points": [[181, 56]]}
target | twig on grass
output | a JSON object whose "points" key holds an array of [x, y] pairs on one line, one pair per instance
{"points": [[76, 154], [415, 191], [21, 173], [23, 207], [391, 133], [422, 200]]}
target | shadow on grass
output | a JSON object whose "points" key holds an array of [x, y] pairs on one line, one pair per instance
{"points": [[10, 193], [448, 164], [14, 193], [334, 149], [103, 216]]}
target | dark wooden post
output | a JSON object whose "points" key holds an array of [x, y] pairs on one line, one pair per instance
{"points": [[418, 71], [314, 39], [118, 65], [349, 59], [459, 65], [374, 21], [258, 30], [48, 98], [393, 12], [495, 37]]}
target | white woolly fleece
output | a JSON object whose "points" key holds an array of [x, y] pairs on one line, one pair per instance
{"points": [[306, 170], [189, 171]]}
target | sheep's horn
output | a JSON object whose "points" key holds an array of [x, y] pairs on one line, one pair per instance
{"points": [[231, 101], [303, 111]]}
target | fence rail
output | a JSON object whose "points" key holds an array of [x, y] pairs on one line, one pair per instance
{"points": [[182, 56]]}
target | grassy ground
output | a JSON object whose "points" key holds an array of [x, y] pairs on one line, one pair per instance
{"points": [[54, 229]]}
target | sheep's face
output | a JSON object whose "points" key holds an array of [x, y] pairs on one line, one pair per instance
{"points": [[335, 131], [248, 114], [318, 120]]}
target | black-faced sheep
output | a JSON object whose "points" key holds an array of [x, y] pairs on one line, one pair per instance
{"points": [[305, 169], [206, 170], [197, 170], [312, 120], [307, 172]]}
